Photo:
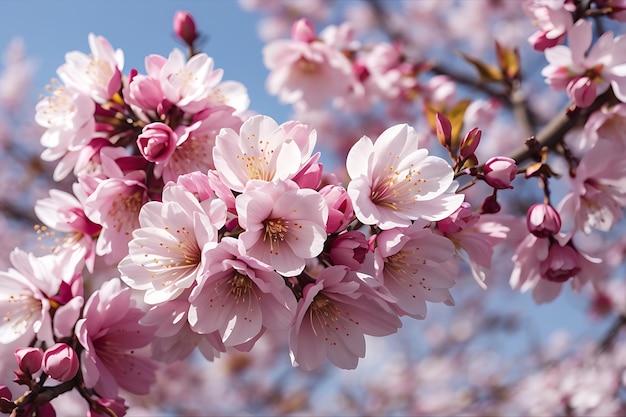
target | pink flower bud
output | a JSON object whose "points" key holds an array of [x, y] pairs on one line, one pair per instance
{"points": [[60, 362], [444, 130], [185, 27], [340, 210], [29, 359], [349, 249], [499, 172], [543, 220], [541, 42], [470, 142], [310, 176], [303, 30], [462, 218], [562, 263], [582, 91], [157, 142], [601, 304]]}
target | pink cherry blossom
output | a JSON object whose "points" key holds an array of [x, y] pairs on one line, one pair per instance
{"points": [[306, 71], [416, 266], [114, 203], [553, 19], [239, 296], [25, 295], [194, 150], [111, 337], [63, 212], [394, 182], [598, 192], [262, 150], [474, 237], [67, 116], [333, 315], [284, 225], [585, 70], [98, 74], [174, 338], [143, 91], [194, 85], [165, 253], [541, 266]]}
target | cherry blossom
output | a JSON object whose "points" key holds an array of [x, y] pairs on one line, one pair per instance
{"points": [[284, 225], [111, 335], [305, 69], [97, 75], [165, 253], [587, 70], [416, 266], [262, 150], [239, 296], [394, 182], [332, 318]]}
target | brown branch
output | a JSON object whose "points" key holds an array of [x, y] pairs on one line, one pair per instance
{"points": [[607, 341], [514, 100], [552, 135]]}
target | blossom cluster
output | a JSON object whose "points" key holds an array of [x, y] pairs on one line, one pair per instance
{"points": [[195, 223]]}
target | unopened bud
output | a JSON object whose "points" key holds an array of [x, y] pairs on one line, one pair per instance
{"points": [[470, 142], [444, 130], [29, 359], [185, 27], [499, 172], [302, 30], [60, 362], [582, 91], [543, 220], [490, 205], [340, 210]]}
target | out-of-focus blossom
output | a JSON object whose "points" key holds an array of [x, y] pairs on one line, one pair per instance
{"points": [[307, 71]]}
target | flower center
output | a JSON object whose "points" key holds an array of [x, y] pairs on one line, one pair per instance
{"points": [[275, 232], [239, 286]]}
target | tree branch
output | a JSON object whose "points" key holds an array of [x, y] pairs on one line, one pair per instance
{"points": [[551, 135]]}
